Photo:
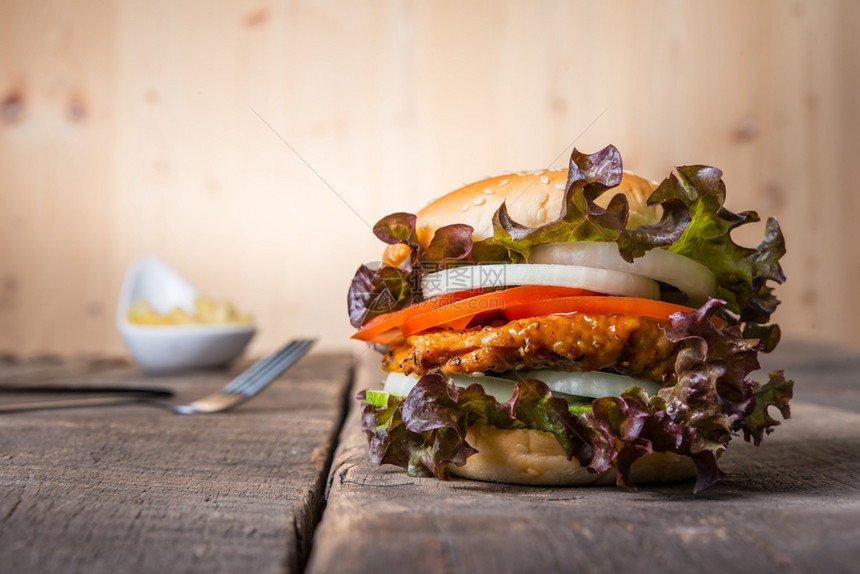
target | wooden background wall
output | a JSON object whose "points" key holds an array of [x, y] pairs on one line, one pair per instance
{"points": [[132, 128]]}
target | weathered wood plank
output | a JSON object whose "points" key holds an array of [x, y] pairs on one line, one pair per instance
{"points": [[136, 489], [791, 505]]}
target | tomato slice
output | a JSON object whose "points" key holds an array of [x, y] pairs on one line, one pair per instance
{"points": [[458, 314], [457, 310], [659, 310], [384, 328]]}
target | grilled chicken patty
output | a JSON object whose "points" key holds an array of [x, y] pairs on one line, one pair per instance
{"points": [[626, 344]]}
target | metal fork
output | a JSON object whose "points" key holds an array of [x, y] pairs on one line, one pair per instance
{"points": [[245, 386]]}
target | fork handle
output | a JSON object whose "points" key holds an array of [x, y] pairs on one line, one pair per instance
{"points": [[72, 403]]}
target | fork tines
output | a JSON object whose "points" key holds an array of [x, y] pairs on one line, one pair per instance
{"points": [[266, 370]]}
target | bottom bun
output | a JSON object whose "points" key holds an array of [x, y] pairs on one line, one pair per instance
{"points": [[524, 456]]}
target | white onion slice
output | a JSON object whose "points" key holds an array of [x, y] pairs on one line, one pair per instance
{"points": [[592, 384], [607, 281], [691, 277]]}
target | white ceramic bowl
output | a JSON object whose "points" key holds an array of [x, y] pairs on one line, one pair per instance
{"points": [[166, 349]]}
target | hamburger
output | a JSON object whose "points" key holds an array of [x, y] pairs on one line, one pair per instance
{"points": [[570, 326]]}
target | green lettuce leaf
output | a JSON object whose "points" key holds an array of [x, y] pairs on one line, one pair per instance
{"points": [[742, 272], [426, 431], [581, 219], [777, 392]]}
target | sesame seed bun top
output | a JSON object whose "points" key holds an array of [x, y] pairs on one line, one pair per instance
{"points": [[533, 198]]}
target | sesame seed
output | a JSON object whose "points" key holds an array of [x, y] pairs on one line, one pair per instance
{"points": [[423, 223], [478, 201], [559, 186], [483, 430], [487, 190], [542, 197], [541, 214], [532, 472], [522, 448], [465, 207], [538, 172], [544, 179], [503, 182]]}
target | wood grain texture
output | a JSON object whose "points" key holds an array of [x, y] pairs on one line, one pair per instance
{"points": [[789, 506], [132, 128], [136, 489]]}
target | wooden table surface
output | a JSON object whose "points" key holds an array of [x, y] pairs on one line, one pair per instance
{"points": [[283, 484], [138, 489]]}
